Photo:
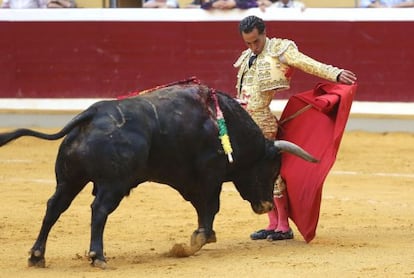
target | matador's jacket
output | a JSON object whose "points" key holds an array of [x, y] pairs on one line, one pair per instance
{"points": [[271, 72]]}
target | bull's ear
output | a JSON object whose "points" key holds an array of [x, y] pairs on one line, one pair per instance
{"points": [[286, 146]]}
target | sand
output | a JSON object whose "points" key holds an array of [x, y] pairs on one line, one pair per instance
{"points": [[366, 226]]}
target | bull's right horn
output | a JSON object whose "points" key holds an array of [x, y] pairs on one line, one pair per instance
{"points": [[292, 148]]}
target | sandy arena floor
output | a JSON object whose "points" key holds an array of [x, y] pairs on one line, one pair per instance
{"points": [[366, 226]]}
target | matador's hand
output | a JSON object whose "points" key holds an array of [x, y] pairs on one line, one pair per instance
{"points": [[347, 77]]}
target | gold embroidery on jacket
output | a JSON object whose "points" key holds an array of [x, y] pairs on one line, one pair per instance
{"points": [[270, 73], [299, 60]]}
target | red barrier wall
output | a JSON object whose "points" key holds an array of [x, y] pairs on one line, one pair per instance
{"points": [[82, 58]]}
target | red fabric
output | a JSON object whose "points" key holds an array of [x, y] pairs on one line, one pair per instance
{"points": [[319, 131]]}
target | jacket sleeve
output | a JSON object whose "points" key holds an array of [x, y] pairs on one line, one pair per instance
{"points": [[293, 57]]}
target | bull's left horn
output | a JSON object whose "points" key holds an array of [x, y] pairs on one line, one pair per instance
{"points": [[292, 148]]}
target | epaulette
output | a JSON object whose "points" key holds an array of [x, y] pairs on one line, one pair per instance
{"points": [[242, 57], [276, 47]]}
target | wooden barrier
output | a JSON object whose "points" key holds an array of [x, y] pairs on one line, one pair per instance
{"points": [[99, 53]]}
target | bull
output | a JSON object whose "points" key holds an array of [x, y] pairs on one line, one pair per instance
{"points": [[168, 136]]}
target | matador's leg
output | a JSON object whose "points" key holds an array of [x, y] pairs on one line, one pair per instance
{"points": [[281, 203]]}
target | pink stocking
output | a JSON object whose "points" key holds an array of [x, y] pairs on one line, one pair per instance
{"points": [[282, 212], [272, 219]]}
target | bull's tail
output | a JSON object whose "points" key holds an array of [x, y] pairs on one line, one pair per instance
{"points": [[10, 136]]}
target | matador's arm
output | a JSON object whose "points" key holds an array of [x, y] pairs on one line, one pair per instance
{"points": [[296, 59]]}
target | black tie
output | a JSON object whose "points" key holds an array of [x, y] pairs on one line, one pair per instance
{"points": [[251, 60]]}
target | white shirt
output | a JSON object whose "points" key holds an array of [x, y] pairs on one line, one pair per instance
{"points": [[289, 4], [24, 4], [169, 3]]}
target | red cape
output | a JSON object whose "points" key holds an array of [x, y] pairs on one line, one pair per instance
{"points": [[317, 128]]}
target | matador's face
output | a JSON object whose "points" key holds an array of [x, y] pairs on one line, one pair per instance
{"points": [[255, 41]]}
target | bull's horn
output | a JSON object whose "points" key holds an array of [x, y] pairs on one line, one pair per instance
{"points": [[292, 148]]}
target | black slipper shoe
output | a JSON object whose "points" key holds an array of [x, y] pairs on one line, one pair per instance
{"points": [[261, 234], [280, 235]]}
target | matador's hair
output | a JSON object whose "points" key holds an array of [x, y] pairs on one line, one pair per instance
{"points": [[249, 23]]}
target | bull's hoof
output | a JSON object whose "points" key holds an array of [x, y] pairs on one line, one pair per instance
{"points": [[199, 238], [36, 259], [212, 238], [97, 262]]}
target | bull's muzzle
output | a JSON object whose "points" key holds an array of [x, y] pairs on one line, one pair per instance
{"points": [[262, 207]]}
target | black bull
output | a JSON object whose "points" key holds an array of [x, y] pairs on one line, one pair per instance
{"points": [[168, 136]]}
